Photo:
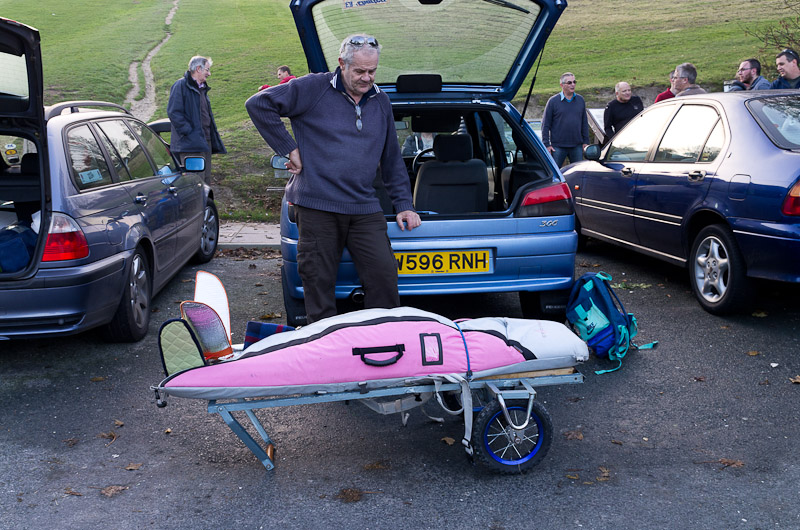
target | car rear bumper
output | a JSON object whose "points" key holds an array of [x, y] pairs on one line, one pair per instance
{"points": [[521, 262], [63, 301], [772, 250]]}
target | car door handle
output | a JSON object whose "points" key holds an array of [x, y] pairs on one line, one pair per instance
{"points": [[626, 172], [695, 176], [173, 190], [140, 199]]}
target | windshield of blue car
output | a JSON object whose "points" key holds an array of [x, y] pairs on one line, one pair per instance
{"points": [[779, 117]]}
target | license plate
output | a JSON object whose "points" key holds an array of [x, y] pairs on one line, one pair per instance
{"points": [[444, 262]]}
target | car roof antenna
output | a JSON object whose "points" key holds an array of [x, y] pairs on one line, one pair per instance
{"points": [[533, 82]]}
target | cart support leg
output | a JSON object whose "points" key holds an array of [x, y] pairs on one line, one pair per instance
{"points": [[244, 436]]}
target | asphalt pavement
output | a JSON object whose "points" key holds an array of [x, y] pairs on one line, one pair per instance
{"points": [[702, 432]]}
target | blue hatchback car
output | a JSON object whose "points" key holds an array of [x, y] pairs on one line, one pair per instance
{"points": [[497, 217], [710, 182], [96, 215]]}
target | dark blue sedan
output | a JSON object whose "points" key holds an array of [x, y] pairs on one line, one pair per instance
{"points": [[709, 182]]}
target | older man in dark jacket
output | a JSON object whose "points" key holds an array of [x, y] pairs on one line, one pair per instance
{"points": [[193, 131]]}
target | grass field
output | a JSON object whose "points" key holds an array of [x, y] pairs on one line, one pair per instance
{"points": [[88, 46]]}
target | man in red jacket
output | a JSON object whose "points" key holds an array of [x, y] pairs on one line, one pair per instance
{"points": [[670, 92], [284, 74]]}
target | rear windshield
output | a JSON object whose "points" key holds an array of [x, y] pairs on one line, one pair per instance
{"points": [[469, 41], [779, 117], [14, 80]]}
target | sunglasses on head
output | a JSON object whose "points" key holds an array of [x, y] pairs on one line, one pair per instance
{"points": [[790, 54], [360, 40]]}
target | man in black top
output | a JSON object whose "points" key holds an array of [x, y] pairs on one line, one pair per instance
{"points": [[621, 110]]}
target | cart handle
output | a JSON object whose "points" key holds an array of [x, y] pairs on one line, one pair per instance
{"points": [[398, 348]]}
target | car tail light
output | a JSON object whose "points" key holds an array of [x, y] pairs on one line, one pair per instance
{"points": [[551, 200], [65, 240], [791, 205]]}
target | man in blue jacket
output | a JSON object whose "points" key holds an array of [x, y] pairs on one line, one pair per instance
{"points": [[343, 133], [193, 131], [786, 61]]}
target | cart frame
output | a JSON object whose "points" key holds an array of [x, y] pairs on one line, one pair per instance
{"points": [[502, 388]]}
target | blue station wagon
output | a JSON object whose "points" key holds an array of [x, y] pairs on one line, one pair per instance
{"points": [[496, 213], [96, 215]]}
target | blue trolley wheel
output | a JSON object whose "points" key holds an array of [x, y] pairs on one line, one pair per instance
{"points": [[505, 449]]}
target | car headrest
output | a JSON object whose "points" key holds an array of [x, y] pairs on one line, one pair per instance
{"points": [[440, 122], [452, 147], [29, 164]]}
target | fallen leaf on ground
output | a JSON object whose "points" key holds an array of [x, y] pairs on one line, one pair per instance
{"points": [[573, 477], [726, 462], [574, 435], [97, 379], [71, 442], [448, 440], [118, 423], [167, 431], [764, 382], [269, 316], [110, 491], [753, 353], [351, 494], [70, 491], [133, 467], [795, 379], [616, 442], [380, 464], [110, 435], [760, 314], [605, 474]]}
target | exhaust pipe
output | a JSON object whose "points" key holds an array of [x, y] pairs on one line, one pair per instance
{"points": [[357, 296]]}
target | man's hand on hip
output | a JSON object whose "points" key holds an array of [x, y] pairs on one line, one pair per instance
{"points": [[410, 218], [294, 165]]}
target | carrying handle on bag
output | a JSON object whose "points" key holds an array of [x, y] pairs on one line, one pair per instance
{"points": [[398, 348]]}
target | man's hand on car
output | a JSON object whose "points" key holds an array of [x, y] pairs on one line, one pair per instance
{"points": [[410, 218]]}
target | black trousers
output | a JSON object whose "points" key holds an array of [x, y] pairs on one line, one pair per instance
{"points": [[323, 237]]}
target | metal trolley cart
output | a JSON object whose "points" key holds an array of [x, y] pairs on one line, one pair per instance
{"points": [[506, 429]]}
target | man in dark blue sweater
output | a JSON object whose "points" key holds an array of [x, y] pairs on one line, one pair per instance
{"points": [[344, 131], [565, 129]]}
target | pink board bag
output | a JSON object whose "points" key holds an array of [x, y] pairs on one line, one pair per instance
{"points": [[381, 347]]}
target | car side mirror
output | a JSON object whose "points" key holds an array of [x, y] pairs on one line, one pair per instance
{"points": [[195, 163], [592, 152], [278, 162]]}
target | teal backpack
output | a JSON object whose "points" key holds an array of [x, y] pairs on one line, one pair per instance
{"points": [[597, 315]]}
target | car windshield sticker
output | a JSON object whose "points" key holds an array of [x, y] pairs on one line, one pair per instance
{"points": [[92, 175], [11, 146]]}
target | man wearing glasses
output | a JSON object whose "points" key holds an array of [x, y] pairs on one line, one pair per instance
{"points": [[565, 129], [193, 131], [786, 61], [749, 74], [343, 134]]}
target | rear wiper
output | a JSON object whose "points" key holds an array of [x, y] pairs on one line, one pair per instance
{"points": [[509, 5]]}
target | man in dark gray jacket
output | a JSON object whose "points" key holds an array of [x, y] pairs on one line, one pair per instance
{"points": [[193, 131], [343, 132]]}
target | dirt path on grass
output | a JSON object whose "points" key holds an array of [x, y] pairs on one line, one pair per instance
{"points": [[145, 108]]}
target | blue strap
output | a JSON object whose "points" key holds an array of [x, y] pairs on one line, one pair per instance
{"points": [[466, 351]]}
